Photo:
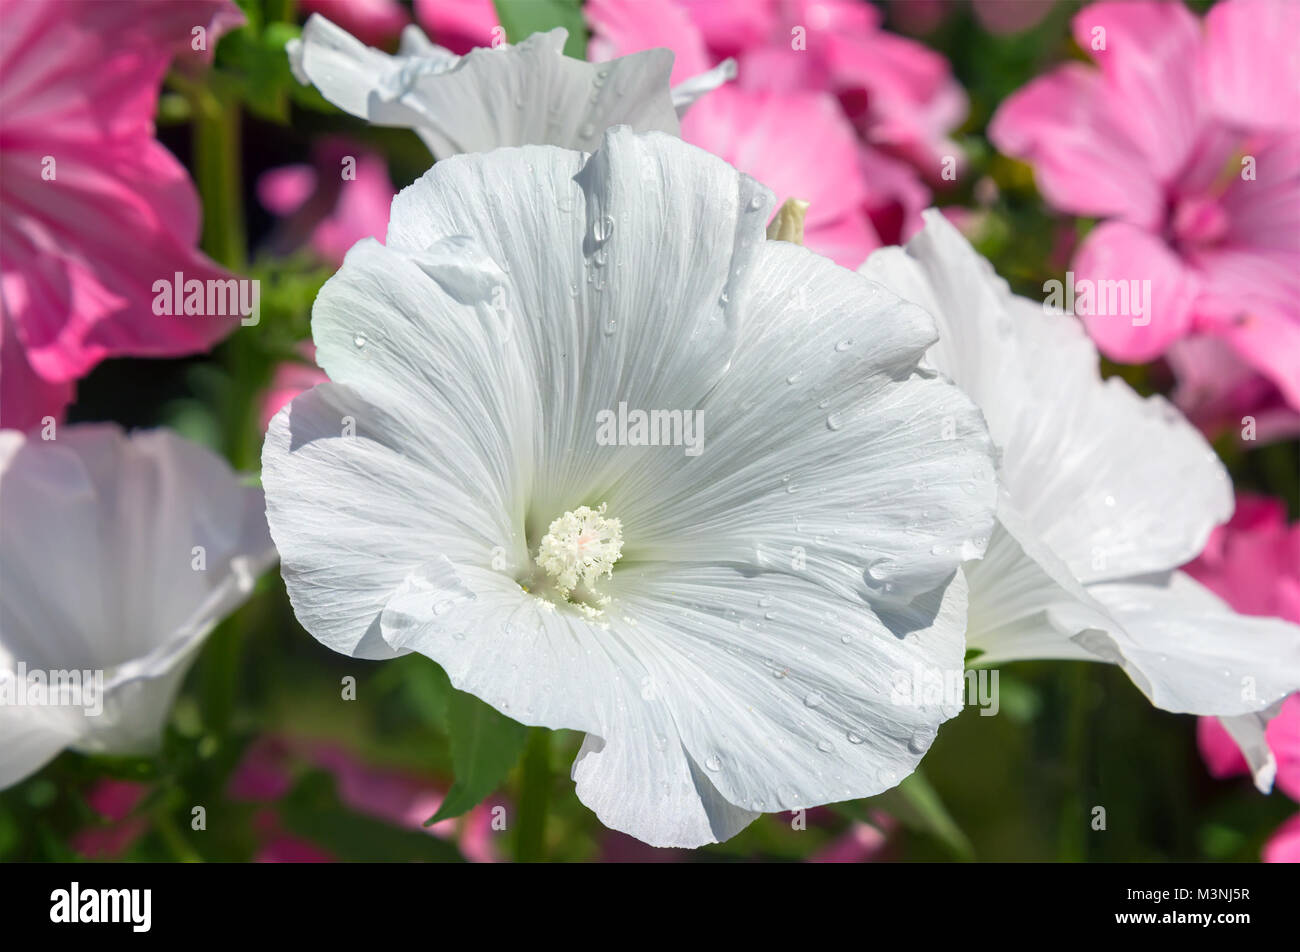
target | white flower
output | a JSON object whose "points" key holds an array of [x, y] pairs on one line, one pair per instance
{"points": [[529, 94], [731, 643], [104, 584], [1105, 495]]}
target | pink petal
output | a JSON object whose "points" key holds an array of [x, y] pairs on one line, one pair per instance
{"points": [[284, 190], [620, 27], [459, 25], [1251, 64], [1283, 735], [373, 22], [1115, 251], [1284, 845], [1150, 64], [1222, 756], [1066, 126]]}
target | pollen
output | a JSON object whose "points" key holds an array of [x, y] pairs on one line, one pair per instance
{"points": [[579, 548]]}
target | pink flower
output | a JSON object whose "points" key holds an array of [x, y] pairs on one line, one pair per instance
{"points": [[861, 843], [827, 107], [1284, 845], [114, 800], [373, 22], [331, 205], [401, 797], [1219, 392], [1186, 139], [1253, 560], [460, 25], [292, 378], [93, 210]]}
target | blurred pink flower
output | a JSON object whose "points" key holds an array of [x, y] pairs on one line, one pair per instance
{"points": [[861, 843], [93, 210], [401, 797], [798, 59], [1186, 139], [373, 22], [331, 205], [1253, 560], [1218, 391], [113, 800], [291, 378], [1284, 845], [459, 25]]}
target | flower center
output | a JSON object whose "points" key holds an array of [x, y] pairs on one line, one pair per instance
{"points": [[578, 549], [1199, 222]]}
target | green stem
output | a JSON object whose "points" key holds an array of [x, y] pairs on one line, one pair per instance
{"points": [[217, 171], [171, 835], [535, 789]]}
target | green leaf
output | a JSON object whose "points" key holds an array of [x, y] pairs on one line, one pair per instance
{"points": [[523, 18], [313, 811], [484, 746]]}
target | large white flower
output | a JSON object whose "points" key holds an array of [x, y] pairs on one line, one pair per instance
{"points": [[529, 94], [118, 557], [725, 627], [1104, 496]]}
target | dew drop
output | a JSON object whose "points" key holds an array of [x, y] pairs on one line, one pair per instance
{"points": [[834, 421], [844, 345], [825, 746], [920, 741], [359, 341], [812, 699], [602, 228], [854, 738], [713, 763]]}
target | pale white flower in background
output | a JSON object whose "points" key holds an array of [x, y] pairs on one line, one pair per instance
{"points": [[726, 627], [1104, 495], [100, 572], [528, 94]]}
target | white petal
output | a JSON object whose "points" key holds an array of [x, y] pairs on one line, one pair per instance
{"points": [[827, 454], [1113, 484], [1189, 652], [688, 91], [120, 522], [1015, 592], [527, 94], [607, 290], [1248, 731]]}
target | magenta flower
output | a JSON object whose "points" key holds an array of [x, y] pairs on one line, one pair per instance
{"points": [[329, 205], [827, 107], [93, 210], [373, 22], [1185, 139], [460, 25]]}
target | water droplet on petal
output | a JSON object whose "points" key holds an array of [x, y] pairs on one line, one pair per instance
{"points": [[713, 763], [813, 699]]}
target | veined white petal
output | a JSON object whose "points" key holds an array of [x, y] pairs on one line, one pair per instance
{"points": [[160, 541], [525, 94], [1189, 652], [828, 455], [1114, 485]]}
